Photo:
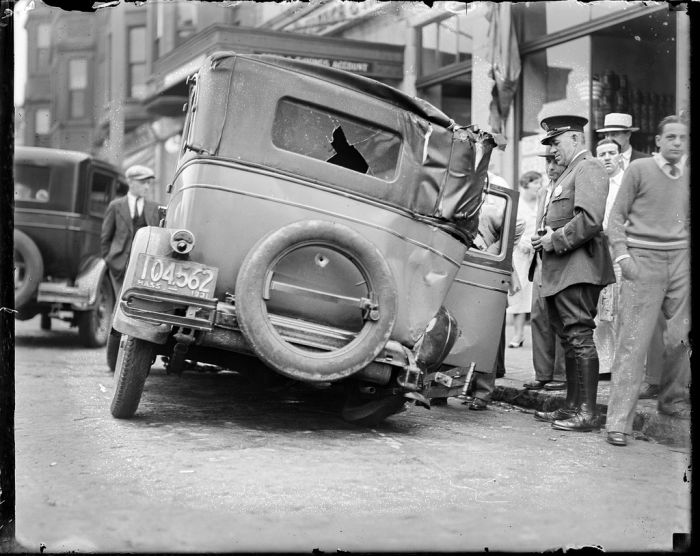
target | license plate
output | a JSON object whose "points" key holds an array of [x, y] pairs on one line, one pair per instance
{"points": [[170, 275]]}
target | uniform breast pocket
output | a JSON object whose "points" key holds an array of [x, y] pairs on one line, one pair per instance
{"points": [[561, 210]]}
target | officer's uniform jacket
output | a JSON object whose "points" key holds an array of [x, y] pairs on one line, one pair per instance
{"points": [[575, 212]]}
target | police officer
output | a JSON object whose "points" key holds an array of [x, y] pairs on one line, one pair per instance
{"points": [[576, 264]]}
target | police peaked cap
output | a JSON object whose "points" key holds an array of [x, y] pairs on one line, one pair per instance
{"points": [[556, 125]]}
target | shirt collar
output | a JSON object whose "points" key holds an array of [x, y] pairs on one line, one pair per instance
{"points": [[661, 162]]}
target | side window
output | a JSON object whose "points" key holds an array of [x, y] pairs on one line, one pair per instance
{"points": [[492, 219], [100, 192], [341, 140], [121, 189]]}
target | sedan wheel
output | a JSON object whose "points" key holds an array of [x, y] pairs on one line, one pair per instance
{"points": [[94, 325], [133, 365]]}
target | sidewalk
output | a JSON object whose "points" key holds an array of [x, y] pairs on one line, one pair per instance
{"points": [[648, 424]]}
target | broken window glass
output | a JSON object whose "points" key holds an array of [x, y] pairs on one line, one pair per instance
{"points": [[339, 140]]}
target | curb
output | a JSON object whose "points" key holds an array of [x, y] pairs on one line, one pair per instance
{"points": [[648, 423]]}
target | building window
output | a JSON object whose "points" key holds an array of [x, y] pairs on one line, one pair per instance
{"points": [[445, 42], [160, 29], [136, 86], [42, 121], [77, 87], [43, 44], [108, 69], [186, 20]]}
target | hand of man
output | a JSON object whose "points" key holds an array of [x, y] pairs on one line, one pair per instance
{"points": [[543, 241], [628, 268]]}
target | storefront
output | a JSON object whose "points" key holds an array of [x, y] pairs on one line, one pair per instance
{"points": [[593, 59], [576, 58]]}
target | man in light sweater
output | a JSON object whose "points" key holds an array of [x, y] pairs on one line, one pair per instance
{"points": [[649, 234]]}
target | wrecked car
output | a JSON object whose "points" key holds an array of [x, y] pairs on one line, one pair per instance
{"points": [[317, 221]]}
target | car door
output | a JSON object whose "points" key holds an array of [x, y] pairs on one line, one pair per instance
{"points": [[478, 296]]}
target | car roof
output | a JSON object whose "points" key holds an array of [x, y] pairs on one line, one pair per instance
{"points": [[25, 152], [359, 83]]}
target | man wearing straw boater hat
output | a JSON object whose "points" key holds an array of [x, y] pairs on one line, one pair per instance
{"points": [[576, 265], [618, 126]]}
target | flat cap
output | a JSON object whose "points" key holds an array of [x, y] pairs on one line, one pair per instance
{"points": [[138, 172], [556, 125], [547, 153]]}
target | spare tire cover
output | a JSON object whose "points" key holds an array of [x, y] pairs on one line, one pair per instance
{"points": [[287, 358]]}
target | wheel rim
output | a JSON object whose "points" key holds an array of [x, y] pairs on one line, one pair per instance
{"points": [[20, 273]]}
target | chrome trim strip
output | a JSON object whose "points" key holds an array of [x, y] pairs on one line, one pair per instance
{"points": [[492, 288], [486, 267], [336, 215], [47, 211]]}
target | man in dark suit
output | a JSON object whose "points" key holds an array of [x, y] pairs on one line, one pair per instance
{"points": [[124, 216], [547, 349], [618, 126], [576, 262]]}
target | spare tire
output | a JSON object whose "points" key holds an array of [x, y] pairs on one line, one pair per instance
{"points": [[29, 268], [254, 278]]}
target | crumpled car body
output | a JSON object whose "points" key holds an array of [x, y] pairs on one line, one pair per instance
{"points": [[317, 221]]}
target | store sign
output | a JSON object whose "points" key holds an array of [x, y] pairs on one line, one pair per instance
{"points": [[326, 18], [347, 65]]}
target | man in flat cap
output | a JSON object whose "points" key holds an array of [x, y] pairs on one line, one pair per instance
{"points": [[618, 126], [576, 265], [124, 216]]}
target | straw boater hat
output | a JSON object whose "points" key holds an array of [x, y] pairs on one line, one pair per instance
{"points": [[616, 121], [556, 125]]}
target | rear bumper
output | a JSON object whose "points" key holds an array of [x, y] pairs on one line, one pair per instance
{"points": [[51, 292], [151, 316]]}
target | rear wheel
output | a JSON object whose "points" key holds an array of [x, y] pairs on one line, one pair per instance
{"points": [[368, 406], [133, 364], [28, 266], [94, 325]]}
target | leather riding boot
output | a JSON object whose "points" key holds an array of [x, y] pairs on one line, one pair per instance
{"points": [[572, 397], [586, 418]]}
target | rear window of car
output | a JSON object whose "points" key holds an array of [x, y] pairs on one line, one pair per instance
{"points": [[44, 185], [337, 139]]}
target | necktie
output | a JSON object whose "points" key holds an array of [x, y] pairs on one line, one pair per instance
{"points": [[672, 170], [137, 210]]}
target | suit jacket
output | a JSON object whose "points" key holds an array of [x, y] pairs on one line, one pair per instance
{"points": [[118, 233], [575, 213], [638, 154], [541, 196]]}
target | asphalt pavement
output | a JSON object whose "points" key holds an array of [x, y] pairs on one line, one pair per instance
{"points": [[648, 423]]}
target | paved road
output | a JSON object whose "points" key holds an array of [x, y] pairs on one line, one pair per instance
{"points": [[209, 465]]}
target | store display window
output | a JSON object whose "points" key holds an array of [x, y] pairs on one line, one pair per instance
{"points": [[633, 70]]}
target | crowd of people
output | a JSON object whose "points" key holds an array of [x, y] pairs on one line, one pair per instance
{"points": [[606, 252]]}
